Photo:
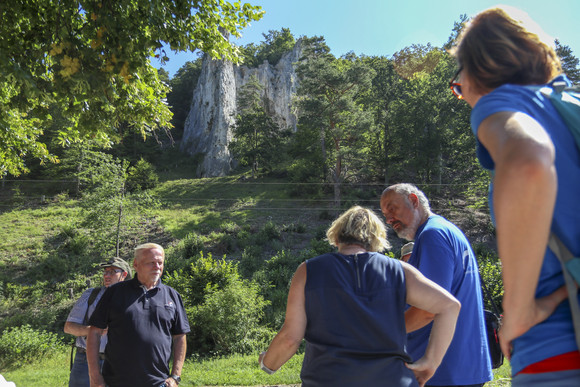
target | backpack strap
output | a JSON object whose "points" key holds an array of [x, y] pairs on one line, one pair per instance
{"points": [[92, 298], [566, 101], [568, 261]]}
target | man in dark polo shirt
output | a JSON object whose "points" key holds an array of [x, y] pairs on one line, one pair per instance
{"points": [[144, 319]]}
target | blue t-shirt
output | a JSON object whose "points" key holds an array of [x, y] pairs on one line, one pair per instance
{"points": [[355, 331], [140, 325], [554, 336], [443, 254]]}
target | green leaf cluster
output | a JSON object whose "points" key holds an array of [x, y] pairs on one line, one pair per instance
{"points": [[91, 60]]}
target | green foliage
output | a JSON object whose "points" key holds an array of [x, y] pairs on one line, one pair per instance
{"points": [[257, 141], [204, 273], [228, 321], [274, 278], [190, 246], [275, 44], [570, 64], [141, 176], [327, 102], [92, 63], [110, 211], [270, 231], [490, 270], [224, 310], [23, 345], [181, 94], [250, 261], [320, 246]]}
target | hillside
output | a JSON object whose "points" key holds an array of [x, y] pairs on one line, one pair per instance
{"points": [[216, 209], [262, 227]]}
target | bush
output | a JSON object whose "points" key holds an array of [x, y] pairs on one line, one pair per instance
{"points": [[204, 273], [251, 261], [274, 279], [319, 247], [22, 345], [228, 321], [224, 310], [490, 270], [190, 246], [141, 176], [269, 232]]}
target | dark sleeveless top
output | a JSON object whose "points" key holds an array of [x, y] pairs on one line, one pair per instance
{"points": [[355, 331]]}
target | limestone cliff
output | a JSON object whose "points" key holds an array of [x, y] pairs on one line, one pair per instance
{"points": [[209, 125]]}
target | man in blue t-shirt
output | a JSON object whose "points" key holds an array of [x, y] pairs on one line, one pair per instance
{"points": [[442, 253], [144, 319]]}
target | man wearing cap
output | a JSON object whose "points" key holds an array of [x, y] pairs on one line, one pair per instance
{"points": [[114, 270], [146, 324], [406, 251]]}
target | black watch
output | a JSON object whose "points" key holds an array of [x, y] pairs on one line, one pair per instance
{"points": [[176, 378]]}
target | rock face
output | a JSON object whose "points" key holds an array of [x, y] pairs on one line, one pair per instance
{"points": [[209, 125]]}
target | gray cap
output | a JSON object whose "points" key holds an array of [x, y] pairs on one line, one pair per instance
{"points": [[117, 262], [407, 249]]}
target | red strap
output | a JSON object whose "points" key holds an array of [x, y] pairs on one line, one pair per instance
{"points": [[563, 362]]}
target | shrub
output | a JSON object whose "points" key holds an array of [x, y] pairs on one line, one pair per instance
{"points": [[228, 321], [319, 247], [190, 246], [194, 281], [224, 310], [274, 279], [490, 271], [251, 261], [141, 176], [269, 232], [22, 345]]}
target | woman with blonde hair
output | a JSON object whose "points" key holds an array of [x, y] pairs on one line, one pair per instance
{"points": [[535, 188], [349, 306]]}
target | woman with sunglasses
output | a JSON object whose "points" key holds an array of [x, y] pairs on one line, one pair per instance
{"points": [[535, 189]]}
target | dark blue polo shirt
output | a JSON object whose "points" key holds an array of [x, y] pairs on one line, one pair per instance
{"points": [[140, 325]]}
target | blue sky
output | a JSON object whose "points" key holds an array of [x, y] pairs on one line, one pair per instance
{"points": [[383, 27]]}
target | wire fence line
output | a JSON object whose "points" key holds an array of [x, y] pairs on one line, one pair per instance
{"points": [[246, 201]]}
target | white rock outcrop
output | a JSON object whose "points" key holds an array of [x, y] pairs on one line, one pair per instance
{"points": [[209, 124]]}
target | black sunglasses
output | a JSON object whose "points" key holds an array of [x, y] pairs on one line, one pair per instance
{"points": [[456, 86]]}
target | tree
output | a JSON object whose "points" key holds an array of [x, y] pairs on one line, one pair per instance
{"points": [[569, 62], [92, 60], [327, 99], [414, 59], [458, 27], [181, 94], [387, 87], [111, 212], [275, 44], [257, 138]]}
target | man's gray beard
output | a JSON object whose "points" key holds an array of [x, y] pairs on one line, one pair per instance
{"points": [[406, 234]]}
